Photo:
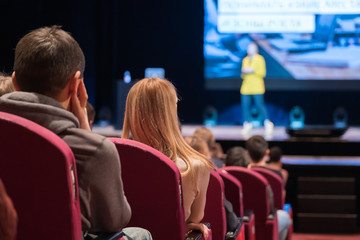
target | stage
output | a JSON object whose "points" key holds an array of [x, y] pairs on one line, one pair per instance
{"points": [[229, 136]]}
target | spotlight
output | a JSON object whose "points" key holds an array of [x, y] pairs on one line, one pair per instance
{"points": [[210, 116], [340, 117], [297, 117]]}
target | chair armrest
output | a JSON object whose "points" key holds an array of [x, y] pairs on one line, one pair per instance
{"points": [[234, 235], [110, 236], [272, 215], [196, 234], [247, 215]]}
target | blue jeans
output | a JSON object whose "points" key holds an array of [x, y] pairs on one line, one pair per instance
{"points": [[134, 233], [284, 223], [258, 102]]}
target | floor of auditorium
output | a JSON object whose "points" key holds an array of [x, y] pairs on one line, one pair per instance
{"points": [[304, 236]]}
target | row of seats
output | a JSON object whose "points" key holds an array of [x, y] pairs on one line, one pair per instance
{"points": [[39, 172]]}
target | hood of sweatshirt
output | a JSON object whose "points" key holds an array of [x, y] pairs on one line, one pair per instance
{"points": [[38, 108]]}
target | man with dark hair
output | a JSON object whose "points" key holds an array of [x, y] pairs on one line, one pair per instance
{"points": [[258, 151], [275, 162], [48, 78]]}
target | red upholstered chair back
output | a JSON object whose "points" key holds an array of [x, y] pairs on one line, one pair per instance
{"points": [[276, 183], [38, 170], [233, 192], [256, 198], [152, 185], [214, 209]]}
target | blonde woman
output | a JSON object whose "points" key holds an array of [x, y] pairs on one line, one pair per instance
{"points": [[151, 118]]}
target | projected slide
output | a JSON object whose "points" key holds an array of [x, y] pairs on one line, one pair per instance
{"points": [[299, 39]]}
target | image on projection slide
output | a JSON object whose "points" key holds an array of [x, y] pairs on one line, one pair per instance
{"points": [[299, 39]]}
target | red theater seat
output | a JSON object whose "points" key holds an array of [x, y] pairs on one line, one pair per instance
{"points": [[152, 185], [277, 186], [215, 210], [256, 198], [39, 173], [234, 194]]}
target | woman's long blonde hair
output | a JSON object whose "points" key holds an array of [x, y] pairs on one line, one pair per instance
{"points": [[151, 118]]}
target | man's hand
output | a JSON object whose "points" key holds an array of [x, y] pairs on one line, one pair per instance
{"points": [[197, 226], [78, 105], [8, 215]]}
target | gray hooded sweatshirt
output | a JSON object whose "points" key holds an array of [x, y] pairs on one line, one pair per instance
{"points": [[102, 200]]}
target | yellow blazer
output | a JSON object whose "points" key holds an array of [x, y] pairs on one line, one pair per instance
{"points": [[253, 83]]}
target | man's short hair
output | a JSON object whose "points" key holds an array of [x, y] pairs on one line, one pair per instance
{"points": [[45, 60], [237, 156], [6, 85], [275, 154], [256, 146]]}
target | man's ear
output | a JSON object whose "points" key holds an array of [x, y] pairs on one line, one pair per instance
{"points": [[14, 82], [73, 83]]}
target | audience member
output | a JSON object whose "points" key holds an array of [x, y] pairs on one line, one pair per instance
{"points": [[237, 156], [48, 76], [8, 216], [217, 154], [258, 150], [275, 162], [91, 113], [151, 118], [6, 85], [200, 145]]}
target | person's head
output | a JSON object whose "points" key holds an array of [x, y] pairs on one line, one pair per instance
{"points": [[257, 148], [252, 49], [90, 112], [275, 154], [199, 145], [151, 118], [46, 59], [6, 85], [206, 135], [237, 156]]}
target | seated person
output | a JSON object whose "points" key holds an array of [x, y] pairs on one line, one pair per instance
{"points": [[151, 118], [91, 113], [258, 151], [8, 216], [275, 162], [6, 85], [200, 145], [217, 154], [50, 91], [237, 156]]}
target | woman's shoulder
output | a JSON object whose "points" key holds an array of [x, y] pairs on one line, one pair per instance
{"points": [[197, 165]]}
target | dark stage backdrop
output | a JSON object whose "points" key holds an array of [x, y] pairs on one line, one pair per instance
{"points": [[132, 35]]}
